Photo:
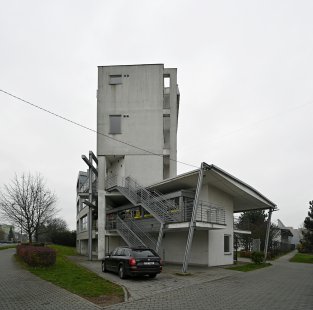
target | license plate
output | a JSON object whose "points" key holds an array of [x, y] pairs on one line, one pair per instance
{"points": [[148, 263]]}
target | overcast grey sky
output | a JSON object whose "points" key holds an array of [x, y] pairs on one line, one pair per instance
{"points": [[245, 73]]}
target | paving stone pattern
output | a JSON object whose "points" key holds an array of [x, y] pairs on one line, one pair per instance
{"points": [[284, 285], [19, 289], [166, 281]]}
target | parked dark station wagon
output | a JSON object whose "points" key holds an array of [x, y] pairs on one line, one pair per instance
{"points": [[133, 261]]}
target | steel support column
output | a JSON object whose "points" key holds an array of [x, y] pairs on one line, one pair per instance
{"points": [[267, 233], [90, 210], [193, 220], [159, 238]]}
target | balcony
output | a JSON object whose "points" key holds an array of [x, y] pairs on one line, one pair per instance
{"points": [[206, 213]]}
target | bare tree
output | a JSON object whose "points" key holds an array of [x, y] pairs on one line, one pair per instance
{"points": [[28, 203]]}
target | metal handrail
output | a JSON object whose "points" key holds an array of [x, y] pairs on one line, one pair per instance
{"points": [[142, 234], [153, 202], [128, 235]]}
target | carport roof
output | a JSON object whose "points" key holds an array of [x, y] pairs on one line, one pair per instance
{"points": [[245, 197]]}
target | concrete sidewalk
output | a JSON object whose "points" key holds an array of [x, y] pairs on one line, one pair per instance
{"points": [[19, 289]]}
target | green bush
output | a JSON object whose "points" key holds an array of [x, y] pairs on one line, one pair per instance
{"points": [[36, 255], [257, 257], [67, 238]]}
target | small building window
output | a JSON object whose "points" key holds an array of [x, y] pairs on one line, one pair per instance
{"points": [[83, 223], [115, 79], [167, 81], [115, 124], [227, 244]]}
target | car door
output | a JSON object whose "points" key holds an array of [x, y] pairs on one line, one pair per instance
{"points": [[109, 260], [116, 259]]}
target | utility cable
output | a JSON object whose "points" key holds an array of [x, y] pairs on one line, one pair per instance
{"points": [[92, 130]]}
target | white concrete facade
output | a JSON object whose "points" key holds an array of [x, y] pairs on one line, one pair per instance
{"points": [[146, 114]]}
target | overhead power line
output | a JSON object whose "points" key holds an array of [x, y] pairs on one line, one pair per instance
{"points": [[90, 129]]}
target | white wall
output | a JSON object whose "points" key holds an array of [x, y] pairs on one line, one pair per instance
{"points": [[139, 100], [113, 242], [174, 244], [145, 169], [216, 255]]}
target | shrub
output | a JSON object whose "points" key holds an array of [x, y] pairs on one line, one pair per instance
{"points": [[257, 257], [36, 255]]}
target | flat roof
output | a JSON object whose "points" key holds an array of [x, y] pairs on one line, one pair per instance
{"points": [[158, 64]]}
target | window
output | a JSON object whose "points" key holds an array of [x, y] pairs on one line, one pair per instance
{"points": [[226, 244], [83, 223], [115, 124], [143, 253], [120, 252], [167, 81], [115, 79]]}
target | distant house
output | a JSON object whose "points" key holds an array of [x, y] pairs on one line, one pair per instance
{"points": [[288, 235], [5, 232], [131, 193]]}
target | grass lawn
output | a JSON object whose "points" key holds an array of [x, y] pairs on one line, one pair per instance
{"points": [[249, 267], [7, 247], [302, 258], [77, 279]]}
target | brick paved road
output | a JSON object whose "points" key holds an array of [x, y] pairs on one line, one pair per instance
{"points": [[139, 288], [19, 289], [284, 285]]}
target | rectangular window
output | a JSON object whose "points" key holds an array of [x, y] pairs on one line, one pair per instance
{"points": [[226, 243], [115, 79], [166, 131], [167, 81], [83, 223], [115, 124]]}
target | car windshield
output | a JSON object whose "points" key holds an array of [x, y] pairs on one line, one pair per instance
{"points": [[138, 253]]}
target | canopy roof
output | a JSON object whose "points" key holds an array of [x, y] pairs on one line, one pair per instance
{"points": [[245, 197]]}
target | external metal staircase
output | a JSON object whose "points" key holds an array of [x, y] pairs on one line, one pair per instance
{"points": [[134, 235], [163, 210], [153, 202], [129, 236]]}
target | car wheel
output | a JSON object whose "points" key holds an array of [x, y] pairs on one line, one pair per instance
{"points": [[104, 269], [153, 275], [121, 272]]}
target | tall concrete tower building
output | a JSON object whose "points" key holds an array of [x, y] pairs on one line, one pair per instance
{"points": [[138, 105]]}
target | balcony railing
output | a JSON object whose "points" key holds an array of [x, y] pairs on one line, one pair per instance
{"points": [[207, 213]]}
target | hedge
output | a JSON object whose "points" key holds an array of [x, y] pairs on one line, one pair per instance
{"points": [[36, 255], [257, 257]]}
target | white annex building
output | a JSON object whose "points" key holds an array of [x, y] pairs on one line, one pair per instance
{"points": [[131, 193]]}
